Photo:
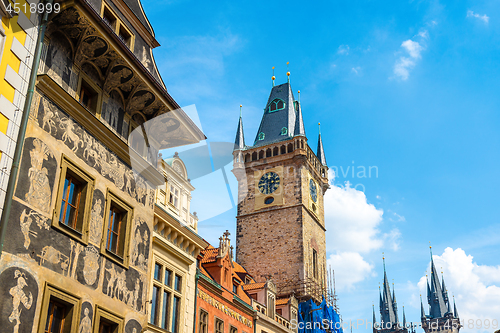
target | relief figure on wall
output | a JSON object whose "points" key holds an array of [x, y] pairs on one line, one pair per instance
{"points": [[19, 297], [69, 133], [95, 222], [39, 190], [91, 265]]}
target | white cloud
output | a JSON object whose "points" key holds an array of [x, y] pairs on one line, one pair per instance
{"points": [[483, 18], [353, 231], [476, 287], [413, 50], [350, 268], [343, 49], [356, 70]]}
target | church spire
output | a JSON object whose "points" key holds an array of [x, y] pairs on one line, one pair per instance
{"points": [[321, 153], [455, 308], [422, 311], [299, 122], [387, 312], [239, 142], [436, 299], [404, 317]]}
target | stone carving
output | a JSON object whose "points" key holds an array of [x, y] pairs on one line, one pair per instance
{"points": [[140, 189], [25, 221], [54, 257], [91, 265], [129, 175], [85, 323], [39, 190], [114, 170], [19, 297]]}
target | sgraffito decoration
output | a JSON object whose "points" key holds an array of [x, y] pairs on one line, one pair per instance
{"points": [[96, 217], [18, 292], [86, 318], [124, 285], [133, 326], [57, 123], [141, 240], [36, 175], [89, 267]]}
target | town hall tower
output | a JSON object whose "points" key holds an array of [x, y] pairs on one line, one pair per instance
{"points": [[280, 231]]}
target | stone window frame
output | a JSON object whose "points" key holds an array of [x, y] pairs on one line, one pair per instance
{"points": [[216, 321], [118, 24], [82, 77], [112, 198], [205, 330], [170, 288], [233, 329], [102, 313], [52, 292], [86, 205]]}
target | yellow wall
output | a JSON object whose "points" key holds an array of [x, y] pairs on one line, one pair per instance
{"points": [[12, 29]]}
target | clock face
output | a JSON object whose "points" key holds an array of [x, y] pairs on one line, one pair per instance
{"points": [[313, 190], [269, 183]]}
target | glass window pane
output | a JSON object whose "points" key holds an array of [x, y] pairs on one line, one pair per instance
{"points": [[177, 284], [168, 274], [157, 272], [175, 314], [166, 309], [154, 306], [72, 194]]}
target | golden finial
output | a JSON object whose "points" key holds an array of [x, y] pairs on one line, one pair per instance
{"points": [[299, 96], [273, 77], [240, 109], [288, 72]]}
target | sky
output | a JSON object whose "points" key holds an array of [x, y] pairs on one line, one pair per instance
{"points": [[406, 89]]}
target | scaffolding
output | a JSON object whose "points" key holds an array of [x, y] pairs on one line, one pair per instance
{"points": [[309, 288]]}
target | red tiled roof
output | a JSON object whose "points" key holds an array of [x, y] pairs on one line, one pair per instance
{"points": [[238, 268], [282, 301], [209, 254], [253, 286]]}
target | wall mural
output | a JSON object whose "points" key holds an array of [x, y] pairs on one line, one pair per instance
{"points": [[124, 285], [141, 241], [133, 326], [18, 292], [38, 167], [96, 217], [55, 122], [49, 248], [86, 318]]}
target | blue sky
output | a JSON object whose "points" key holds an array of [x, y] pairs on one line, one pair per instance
{"points": [[408, 87]]}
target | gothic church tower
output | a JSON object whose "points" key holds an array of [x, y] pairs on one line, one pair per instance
{"points": [[281, 183]]}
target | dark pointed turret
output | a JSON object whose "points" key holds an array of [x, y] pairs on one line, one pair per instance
{"points": [[455, 309], [436, 299], [299, 122], [404, 317], [321, 153], [278, 121], [239, 142], [387, 314], [422, 311]]}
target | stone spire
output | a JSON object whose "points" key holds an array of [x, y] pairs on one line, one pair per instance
{"points": [[321, 153], [299, 122], [455, 308], [404, 317], [422, 312], [394, 303], [436, 300], [387, 314], [239, 142]]}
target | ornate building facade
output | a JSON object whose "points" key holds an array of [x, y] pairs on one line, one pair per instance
{"points": [[176, 246], [18, 34], [281, 183], [78, 253]]}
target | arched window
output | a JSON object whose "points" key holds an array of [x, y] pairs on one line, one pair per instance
{"points": [[276, 105]]}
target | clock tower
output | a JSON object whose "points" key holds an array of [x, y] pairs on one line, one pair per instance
{"points": [[280, 231]]}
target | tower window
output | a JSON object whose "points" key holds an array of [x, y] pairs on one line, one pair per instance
{"points": [[284, 131], [276, 105], [269, 200], [315, 263], [261, 136]]}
